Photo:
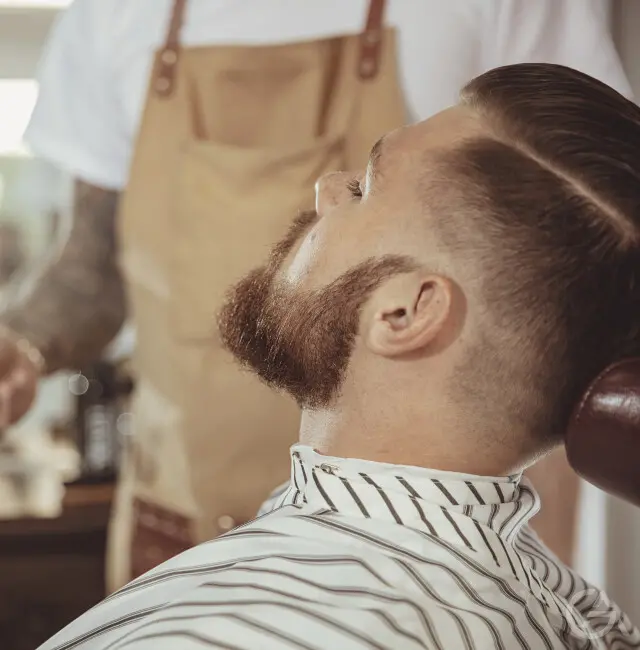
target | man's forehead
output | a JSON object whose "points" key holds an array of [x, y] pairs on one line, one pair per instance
{"points": [[441, 131]]}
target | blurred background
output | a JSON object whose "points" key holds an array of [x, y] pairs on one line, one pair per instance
{"points": [[51, 537], [33, 194]]}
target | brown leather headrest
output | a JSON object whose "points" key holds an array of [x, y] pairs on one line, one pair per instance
{"points": [[603, 438]]}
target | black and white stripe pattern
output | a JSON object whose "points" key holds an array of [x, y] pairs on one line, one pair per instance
{"points": [[354, 555]]}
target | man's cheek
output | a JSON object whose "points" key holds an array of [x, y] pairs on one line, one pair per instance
{"points": [[305, 258], [330, 249]]}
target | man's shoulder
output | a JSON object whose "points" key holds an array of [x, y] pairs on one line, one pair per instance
{"points": [[106, 23], [98, 25], [294, 573]]}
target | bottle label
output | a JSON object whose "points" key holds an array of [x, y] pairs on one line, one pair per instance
{"points": [[100, 452]]}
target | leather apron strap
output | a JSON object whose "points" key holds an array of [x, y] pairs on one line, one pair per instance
{"points": [[368, 62], [371, 40], [165, 73]]}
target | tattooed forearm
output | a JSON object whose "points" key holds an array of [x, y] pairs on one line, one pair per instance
{"points": [[77, 305]]}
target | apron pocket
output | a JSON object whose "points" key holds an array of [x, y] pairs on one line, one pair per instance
{"points": [[158, 535], [232, 205]]}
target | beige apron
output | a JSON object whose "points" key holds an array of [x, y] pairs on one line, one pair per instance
{"points": [[231, 143]]}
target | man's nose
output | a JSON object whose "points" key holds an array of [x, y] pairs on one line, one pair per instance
{"points": [[331, 190]]}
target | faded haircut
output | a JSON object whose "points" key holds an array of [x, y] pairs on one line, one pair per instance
{"points": [[545, 210]]}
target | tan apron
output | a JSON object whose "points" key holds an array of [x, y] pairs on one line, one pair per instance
{"points": [[231, 143]]}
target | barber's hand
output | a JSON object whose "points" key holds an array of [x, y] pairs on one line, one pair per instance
{"points": [[20, 369]]}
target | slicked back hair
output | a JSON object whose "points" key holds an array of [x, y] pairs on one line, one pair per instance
{"points": [[546, 205]]}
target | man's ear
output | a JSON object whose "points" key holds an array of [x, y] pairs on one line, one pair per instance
{"points": [[407, 313]]}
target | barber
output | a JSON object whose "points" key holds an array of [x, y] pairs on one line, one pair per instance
{"points": [[188, 165]]}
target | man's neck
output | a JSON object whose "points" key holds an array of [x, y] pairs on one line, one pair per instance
{"points": [[422, 444]]}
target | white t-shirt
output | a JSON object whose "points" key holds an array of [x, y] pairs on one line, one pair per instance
{"points": [[95, 70]]}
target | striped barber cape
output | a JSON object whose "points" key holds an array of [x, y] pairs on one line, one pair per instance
{"points": [[355, 555]]}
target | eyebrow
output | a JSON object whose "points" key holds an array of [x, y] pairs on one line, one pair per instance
{"points": [[374, 158]]}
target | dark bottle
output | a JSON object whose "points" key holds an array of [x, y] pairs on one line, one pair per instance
{"points": [[97, 411]]}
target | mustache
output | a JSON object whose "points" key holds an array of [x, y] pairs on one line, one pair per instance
{"points": [[299, 227]]}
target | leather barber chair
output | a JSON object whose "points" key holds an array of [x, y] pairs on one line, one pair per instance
{"points": [[603, 438]]}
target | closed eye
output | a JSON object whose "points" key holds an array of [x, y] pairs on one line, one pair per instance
{"points": [[355, 189]]}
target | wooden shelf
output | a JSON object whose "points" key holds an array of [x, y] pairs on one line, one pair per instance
{"points": [[52, 570]]}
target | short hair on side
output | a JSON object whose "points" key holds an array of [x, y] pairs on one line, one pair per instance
{"points": [[547, 203]]}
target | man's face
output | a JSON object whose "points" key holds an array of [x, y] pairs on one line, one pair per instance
{"points": [[295, 321]]}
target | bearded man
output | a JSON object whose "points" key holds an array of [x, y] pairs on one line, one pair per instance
{"points": [[437, 319]]}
